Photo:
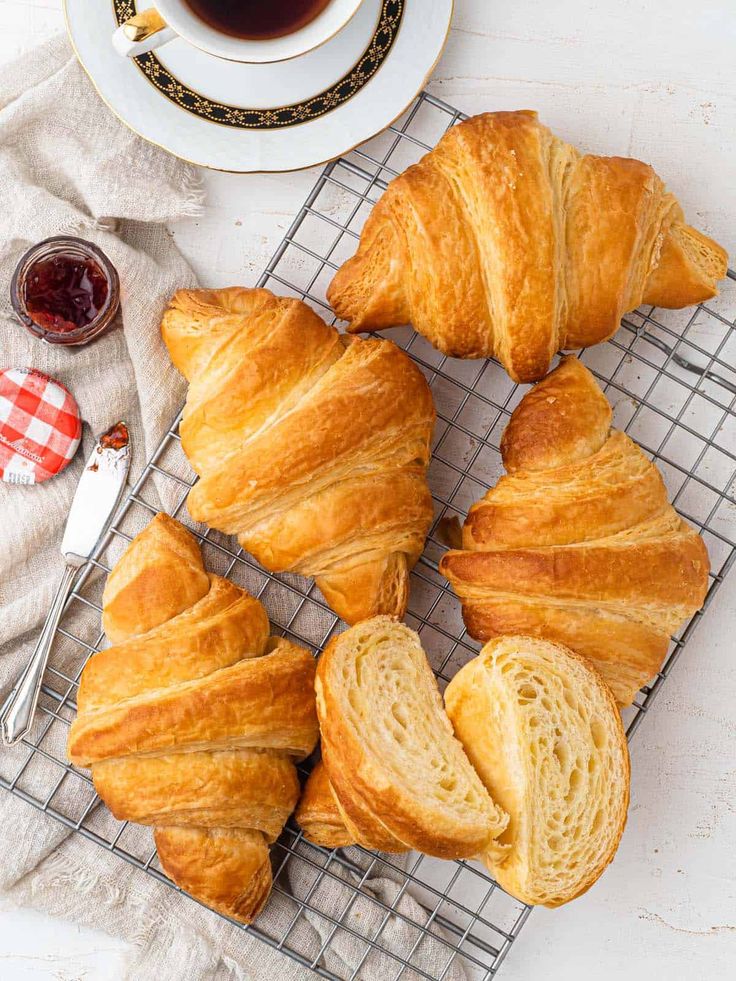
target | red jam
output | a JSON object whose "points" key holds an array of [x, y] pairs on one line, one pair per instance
{"points": [[115, 438], [64, 292]]}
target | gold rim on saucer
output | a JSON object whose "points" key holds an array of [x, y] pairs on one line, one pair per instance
{"points": [[278, 117]]}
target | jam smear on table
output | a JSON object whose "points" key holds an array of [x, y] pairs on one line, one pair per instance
{"points": [[65, 292]]}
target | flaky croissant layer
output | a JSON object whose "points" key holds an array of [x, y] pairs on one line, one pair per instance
{"points": [[505, 241]]}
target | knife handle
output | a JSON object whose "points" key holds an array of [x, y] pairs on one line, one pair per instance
{"points": [[16, 715]]}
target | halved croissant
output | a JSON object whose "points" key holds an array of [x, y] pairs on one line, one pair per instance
{"points": [[398, 776], [506, 242], [191, 723], [540, 728], [544, 734], [311, 448], [579, 544]]}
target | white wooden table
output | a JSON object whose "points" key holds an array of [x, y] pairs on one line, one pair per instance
{"points": [[656, 80]]}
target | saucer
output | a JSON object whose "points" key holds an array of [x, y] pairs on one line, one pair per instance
{"points": [[267, 117]]}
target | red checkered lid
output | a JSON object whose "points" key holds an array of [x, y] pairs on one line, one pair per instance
{"points": [[40, 427]]}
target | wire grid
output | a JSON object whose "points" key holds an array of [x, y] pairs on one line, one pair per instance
{"points": [[668, 375]]}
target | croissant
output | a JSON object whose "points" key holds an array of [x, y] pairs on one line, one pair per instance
{"points": [[318, 813], [311, 447], [506, 242], [542, 731], [579, 544], [398, 778], [192, 721], [544, 734]]}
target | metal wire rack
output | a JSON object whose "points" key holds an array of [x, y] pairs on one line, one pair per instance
{"points": [[669, 377]]}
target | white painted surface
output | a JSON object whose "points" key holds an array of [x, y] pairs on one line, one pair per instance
{"points": [[649, 78]]}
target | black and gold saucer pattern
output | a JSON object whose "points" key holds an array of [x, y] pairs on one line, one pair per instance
{"points": [[238, 117]]}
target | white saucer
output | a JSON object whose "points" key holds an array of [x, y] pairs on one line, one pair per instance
{"points": [[277, 117]]}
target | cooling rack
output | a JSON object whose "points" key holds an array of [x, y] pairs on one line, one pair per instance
{"points": [[668, 375]]}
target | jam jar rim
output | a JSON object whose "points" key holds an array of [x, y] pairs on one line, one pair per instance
{"points": [[107, 311]]}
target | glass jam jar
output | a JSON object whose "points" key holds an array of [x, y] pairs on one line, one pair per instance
{"points": [[65, 291]]}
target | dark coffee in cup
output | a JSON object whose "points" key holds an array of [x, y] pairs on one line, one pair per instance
{"points": [[257, 20]]}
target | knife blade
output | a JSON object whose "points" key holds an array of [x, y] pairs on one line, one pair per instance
{"points": [[97, 494], [93, 505]]}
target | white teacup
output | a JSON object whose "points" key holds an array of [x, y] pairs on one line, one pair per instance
{"points": [[172, 18]]}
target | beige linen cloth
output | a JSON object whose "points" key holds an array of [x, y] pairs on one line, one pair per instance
{"points": [[68, 166]]}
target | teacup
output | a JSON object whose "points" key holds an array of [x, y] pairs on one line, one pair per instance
{"points": [[154, 27]]}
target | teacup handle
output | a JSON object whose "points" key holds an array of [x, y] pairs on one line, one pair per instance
{"points": [[141, 33]]}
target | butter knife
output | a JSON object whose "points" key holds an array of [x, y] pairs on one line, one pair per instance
{"points": [[95, 499]]}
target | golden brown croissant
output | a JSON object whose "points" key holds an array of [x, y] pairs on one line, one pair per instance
{"points": [[318, 813], [506, 242], [397, 777], [578, 543], [191, 723], [311, 448]]}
